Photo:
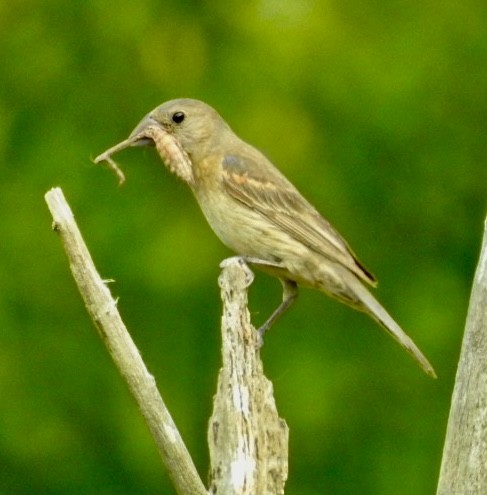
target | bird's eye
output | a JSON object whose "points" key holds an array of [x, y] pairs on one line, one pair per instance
{"points": [[178, 117]]}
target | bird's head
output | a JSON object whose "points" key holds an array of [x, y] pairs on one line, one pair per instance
{"points": [[184, 131], [193, 124]]}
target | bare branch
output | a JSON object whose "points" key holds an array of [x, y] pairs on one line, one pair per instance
{"points": [[464, 463], [103, 311]]}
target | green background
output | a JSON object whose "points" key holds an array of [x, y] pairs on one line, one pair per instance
{"points": [[377, 111]]}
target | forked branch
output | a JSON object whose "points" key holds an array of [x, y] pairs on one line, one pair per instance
{"points": [[248, 441]]}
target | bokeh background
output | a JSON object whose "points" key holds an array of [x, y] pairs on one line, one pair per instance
{"points": [[376, 110]]}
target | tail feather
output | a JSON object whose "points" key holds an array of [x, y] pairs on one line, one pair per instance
{"points": [[372, 307]]}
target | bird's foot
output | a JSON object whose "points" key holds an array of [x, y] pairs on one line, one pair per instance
{"points": [[239, 261]]}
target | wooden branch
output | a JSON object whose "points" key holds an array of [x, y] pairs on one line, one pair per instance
{"points": [[248, 441], [103, 311], [464, 463]]}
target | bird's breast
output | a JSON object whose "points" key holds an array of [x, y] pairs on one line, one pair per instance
{"points": [[242, 229]]}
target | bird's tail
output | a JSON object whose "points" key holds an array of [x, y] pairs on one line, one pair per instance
{"points": [[372, 307]]}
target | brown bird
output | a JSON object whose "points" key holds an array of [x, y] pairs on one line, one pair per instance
{"points": [[257, 212]]}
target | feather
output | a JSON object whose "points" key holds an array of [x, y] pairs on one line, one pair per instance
{"points": [[286, 208]]}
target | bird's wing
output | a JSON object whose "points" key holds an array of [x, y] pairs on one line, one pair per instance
{"points": [[268, 192]]}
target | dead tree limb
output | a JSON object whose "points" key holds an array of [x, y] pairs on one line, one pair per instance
{"points": [[102, 309], [247, 439], [464, 464]]}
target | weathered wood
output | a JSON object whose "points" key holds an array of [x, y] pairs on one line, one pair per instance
{"points": [[103, 310], [464, 463], [248, 441]]}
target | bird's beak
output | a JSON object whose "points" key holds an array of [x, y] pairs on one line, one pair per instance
{"points": [[140, 136], [147, 121]]}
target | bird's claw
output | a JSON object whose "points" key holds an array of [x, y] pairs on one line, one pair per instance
{"points": [[241, 262]]}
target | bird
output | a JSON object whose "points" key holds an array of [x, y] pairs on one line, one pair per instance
{"points": [[258, 213]]}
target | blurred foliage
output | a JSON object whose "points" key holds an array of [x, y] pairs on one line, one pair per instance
{"points": [[376, 110]]}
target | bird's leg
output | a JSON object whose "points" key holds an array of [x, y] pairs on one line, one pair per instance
{"points": [[289, 292], [289, 295]]}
